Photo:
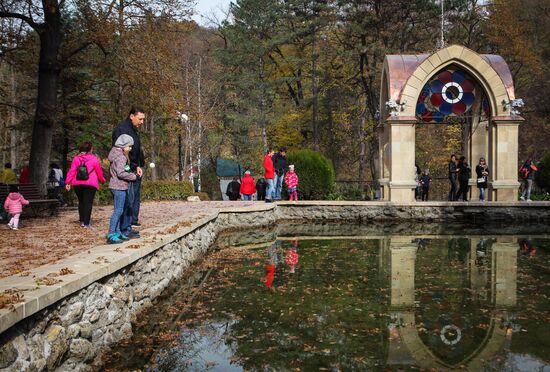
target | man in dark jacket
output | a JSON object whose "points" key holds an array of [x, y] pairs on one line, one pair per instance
{"points": [[279, 164], [130, 126], [261, 187], [233, 189]]}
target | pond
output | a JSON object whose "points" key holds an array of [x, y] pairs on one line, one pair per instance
{"points": [[326, 297]]}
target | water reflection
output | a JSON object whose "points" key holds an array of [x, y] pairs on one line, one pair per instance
{"points": [[351, 297]]}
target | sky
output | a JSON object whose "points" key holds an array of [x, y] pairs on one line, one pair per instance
{"points": [[207, 7]]}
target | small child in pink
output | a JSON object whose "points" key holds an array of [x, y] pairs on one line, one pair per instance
{"points": [[14, 206], [291, 181]]}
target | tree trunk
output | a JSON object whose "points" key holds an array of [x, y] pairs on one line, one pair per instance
{"points": [[46, 102], [314, 91], [13, 119]]}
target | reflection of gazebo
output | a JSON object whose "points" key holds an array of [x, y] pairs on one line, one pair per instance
{"points": [[406, 346], [451, 85]]}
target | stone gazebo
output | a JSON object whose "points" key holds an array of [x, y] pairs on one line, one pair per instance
{"points": [[452, 85]]}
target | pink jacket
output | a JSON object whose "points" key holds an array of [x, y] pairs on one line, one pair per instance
{"points": [[14, 203], [95, 172], [291, 179]]}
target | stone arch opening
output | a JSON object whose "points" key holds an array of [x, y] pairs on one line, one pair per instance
{"points": [[403, 94]]}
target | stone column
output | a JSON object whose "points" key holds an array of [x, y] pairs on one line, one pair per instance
{"points": [[402, 169], [403, 258], [384, 158], [478, 274], [504, 278], [504, 167], [479, 147]]}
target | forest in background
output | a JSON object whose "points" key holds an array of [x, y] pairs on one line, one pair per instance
{"points": [[294, 73]]}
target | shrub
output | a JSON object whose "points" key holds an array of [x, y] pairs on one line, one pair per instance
{"points": [[153, 190], [315, 172], [542, 177]]}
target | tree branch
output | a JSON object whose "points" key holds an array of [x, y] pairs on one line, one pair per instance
{"points": [[22, 17]]}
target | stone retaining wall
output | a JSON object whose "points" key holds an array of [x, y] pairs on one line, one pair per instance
{"points": [[71, 333]]}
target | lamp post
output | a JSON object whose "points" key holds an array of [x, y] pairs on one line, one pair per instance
{"points": [[183, 119]]}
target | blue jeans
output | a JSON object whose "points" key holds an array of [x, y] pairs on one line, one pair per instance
{"points": [[137, 200], [269, 188], [481, 193], [119, 202], [247, 197], [278, 186], [131, 207]]}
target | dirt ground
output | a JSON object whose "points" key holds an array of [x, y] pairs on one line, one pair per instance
{"points": [[41, 241]]}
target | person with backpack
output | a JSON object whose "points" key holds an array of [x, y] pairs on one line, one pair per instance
{"points": [[527, 174], [85, 175]]}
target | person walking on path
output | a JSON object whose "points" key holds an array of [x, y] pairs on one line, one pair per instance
{"points": [[482, 172], [8, 175], [269, 174], [279, 164], [233, 189], [425, 180], [57, 183], [85, 175], [291, 181], [121, 177], [247, 186], [14, 206], [453, 178], [260, 189], [130, 126], [527, 174], [464, 173]]}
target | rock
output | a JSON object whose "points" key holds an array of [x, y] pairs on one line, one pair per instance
{"points": [[193, 198], [81, 349], [126, 330], [55, 346], [86, 329], [74, 313], [97, 336], [93, 317], [73, 330], [8, 355], [21, 347], [109, 290]]}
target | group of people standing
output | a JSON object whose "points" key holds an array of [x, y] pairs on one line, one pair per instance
{"points": [[459, 176], [268, 188]]}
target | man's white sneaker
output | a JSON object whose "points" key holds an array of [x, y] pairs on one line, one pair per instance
{"points": [[529, 200], [521, 198]]}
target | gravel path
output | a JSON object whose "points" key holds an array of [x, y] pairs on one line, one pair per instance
{"points": [[41, 241]]}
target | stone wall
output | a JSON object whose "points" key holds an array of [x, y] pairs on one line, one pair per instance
{"points": [[70, 334]]}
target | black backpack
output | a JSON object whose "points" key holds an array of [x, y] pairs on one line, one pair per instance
{"points": [[82, 172]]}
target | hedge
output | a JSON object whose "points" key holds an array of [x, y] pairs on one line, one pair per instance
{"points": [[153, 191], [315, 173]]}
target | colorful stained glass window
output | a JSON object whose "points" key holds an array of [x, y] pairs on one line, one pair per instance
{"points": [[450, 93]]}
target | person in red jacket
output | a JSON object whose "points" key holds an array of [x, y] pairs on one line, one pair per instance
{"points": [[248, 188], [269, 174]]}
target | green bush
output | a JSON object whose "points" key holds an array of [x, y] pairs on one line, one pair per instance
{"points": [[315, 173], [542, 177], [153, 190]]}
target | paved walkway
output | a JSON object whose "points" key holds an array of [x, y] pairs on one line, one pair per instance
{"points": [[41, 241]]}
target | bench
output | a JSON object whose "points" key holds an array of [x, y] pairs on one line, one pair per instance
{"points": [[38, 203]]}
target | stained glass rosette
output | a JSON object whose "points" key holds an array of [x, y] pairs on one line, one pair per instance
{"points": [[449, 94]]}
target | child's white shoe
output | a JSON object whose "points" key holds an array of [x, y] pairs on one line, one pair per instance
{"points": [[14, 228]]}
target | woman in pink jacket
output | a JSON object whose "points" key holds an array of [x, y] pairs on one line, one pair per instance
{"points": [[85, 175], [14, 206]]}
